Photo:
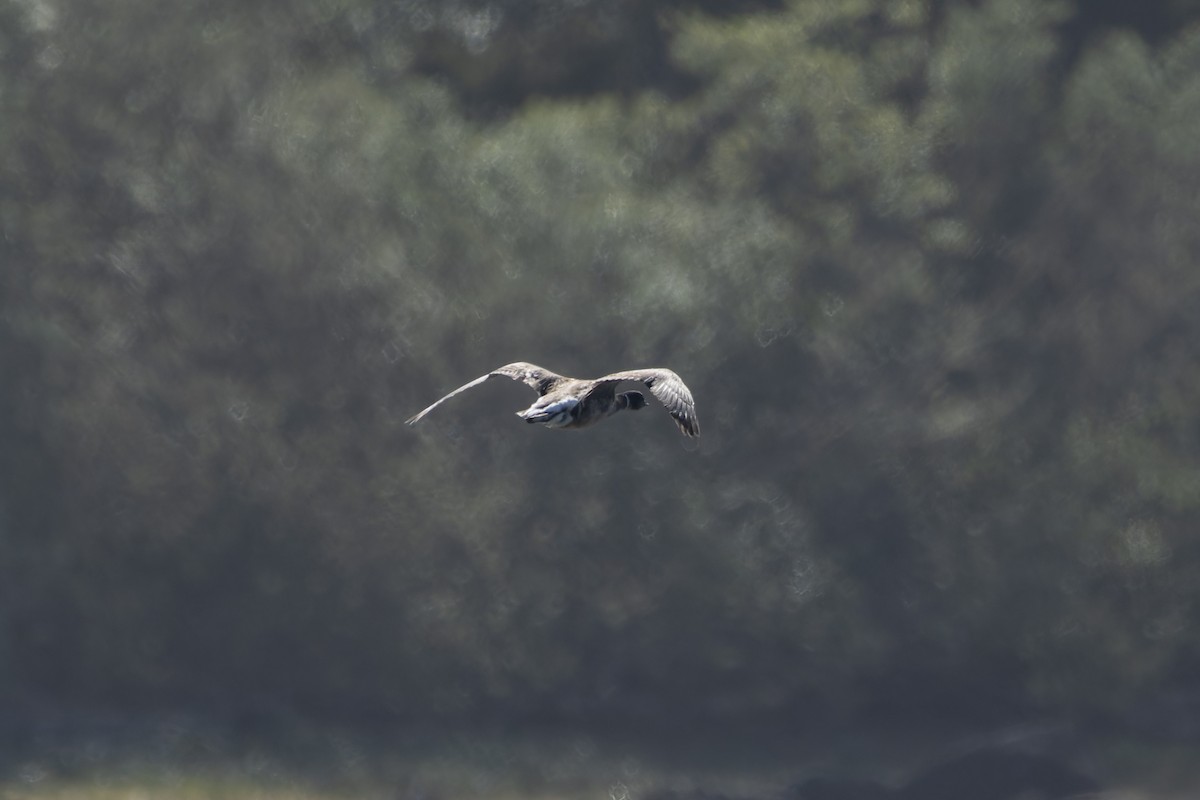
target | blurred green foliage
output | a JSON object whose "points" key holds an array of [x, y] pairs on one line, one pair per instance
{"points": [[933, 282]]}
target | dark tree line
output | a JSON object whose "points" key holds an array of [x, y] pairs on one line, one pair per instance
{"points": [[929, 267]]}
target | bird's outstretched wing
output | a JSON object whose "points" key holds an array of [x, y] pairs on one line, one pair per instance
{"points": [[542, 380], [670, 390]]}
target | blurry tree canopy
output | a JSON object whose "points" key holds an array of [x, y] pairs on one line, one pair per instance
{"points": [[929, 267]]}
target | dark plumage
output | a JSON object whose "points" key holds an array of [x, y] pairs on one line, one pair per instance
{"points": [[576, 403]]}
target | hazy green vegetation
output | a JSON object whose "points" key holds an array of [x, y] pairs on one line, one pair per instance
{"points": [[930, 268]]}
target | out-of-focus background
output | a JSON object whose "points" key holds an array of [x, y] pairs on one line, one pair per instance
{"points": [[930, 267]]}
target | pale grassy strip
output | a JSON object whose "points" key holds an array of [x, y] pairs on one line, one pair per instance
{"points": [[564, 767], [187, 789]]}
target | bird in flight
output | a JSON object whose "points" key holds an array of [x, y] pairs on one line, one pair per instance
{"points": [[576, 403]]}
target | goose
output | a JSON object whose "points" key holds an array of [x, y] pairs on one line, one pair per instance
{"points": [[569, 403]]}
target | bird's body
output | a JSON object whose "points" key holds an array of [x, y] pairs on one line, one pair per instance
{"points": [[576, 403]]}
